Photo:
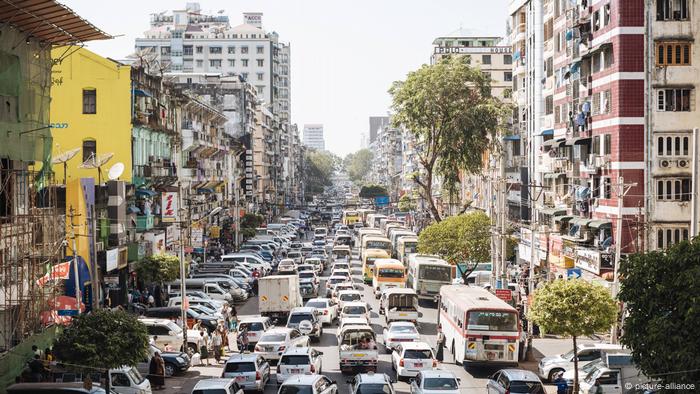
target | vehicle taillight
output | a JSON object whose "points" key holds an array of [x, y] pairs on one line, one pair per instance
{"points": [[281, 348], [325, 312], [258, 375], [401, 363], [313, 369], [258, 348], [434, 363]]}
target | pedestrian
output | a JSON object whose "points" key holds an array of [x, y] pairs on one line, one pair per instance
{"points": [[156, 371], [153, 340], [256, 275], [243, 340], [197, 325], [36, 369], [223, 331], [151, 301], [203, 344], [216, 342], [440, 344], [178, 321]]}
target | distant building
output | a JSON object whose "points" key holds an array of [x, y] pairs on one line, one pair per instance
{"points": [[376, 123], [313, 136]]}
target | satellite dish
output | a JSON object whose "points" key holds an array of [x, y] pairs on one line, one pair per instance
{"points": [[94, 162], [63, 158], [115, 171]]}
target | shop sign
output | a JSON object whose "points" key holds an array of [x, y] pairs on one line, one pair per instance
{"points": [[112, 259], [504, 294], [112, 282], [169, 206], [569, 249], [588, 260], [197, 237]]}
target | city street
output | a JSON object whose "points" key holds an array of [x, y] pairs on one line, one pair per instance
{"points": [[472, 381]]}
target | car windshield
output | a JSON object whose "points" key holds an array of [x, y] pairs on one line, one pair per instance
{"points": [[255, 326], [296, 389], [337, 280], [403, 330], [349, 297], [374, 388], [273, 338], [301, 359], [568, 355], [440, 384], [210, 391], [354, 310], [316, 304], [136, 375], [297, 318], [492, 321], [239, 367], [306, 274], [391, 273], [517, 386], [417, 354]]}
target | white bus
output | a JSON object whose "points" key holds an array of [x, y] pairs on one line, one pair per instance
{"points": [[479, 327], [427, 274]]}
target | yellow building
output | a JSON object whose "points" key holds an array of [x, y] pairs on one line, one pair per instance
{"points": [[91, 112]]}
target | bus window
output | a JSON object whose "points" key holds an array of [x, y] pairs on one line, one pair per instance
{"points": [[492, 321], [391, 273]]}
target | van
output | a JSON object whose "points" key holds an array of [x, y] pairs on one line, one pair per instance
{"points": [[212, 289]]}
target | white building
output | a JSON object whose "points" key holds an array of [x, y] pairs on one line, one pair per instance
{"points": [[313, 136], [187, 40]]}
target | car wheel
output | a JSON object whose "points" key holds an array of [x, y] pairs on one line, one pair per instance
{"points": [[553, 373], [170, 370]]}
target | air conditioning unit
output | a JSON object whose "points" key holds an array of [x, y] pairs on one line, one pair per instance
{"points": [[683, 163], [601, 161], [665, 163]]}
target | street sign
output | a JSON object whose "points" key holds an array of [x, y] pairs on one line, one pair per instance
{"points": [[381, 201], [504, 294], [67, 312], [574, 273]]}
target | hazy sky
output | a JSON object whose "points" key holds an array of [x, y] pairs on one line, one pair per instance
{"points": [[345, 54]]}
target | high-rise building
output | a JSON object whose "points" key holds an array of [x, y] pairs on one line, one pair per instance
{"points": [[313, 136], [376, 124]]}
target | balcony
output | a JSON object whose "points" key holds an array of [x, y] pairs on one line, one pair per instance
{"points": [[144, 222], [154, 171]]}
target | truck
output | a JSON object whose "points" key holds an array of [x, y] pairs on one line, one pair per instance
{"points": [[357, 348], [615, 373], [278, 295], [398, 304]]}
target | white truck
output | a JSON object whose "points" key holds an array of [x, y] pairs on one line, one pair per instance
{"points": [[357, 348], [278, 295], [615, 373]]}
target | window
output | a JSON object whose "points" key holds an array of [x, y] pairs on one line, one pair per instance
{"points": [[165, 51], [261, 76], [232, 62], [507, 59], [595, 21], [120, 379], [244, 49], [200, 63], [89, 149], [549, 66], [596, 145], [215, 50], [244, 76], [607, 188], [215, 63], [673, 189], [672, 10], [261, 62], [244, 62], [260, 89], [674, 100], [672, 53], [89, 101], [486, 59], [549, 105], [260, 49], [187, 50], [606, 14], [607, 144], [231, 50], [667, 237], [199, 49]]}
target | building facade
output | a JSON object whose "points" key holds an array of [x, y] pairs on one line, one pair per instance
{"points": [[313, 136], [376, 123]]}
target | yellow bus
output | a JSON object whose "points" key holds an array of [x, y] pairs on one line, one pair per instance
{"points": [[350, 218], [388, 273], [404, 247], [362, 234], [373, 241], [368, 263]]}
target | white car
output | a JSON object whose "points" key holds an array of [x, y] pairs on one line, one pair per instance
{"points": [[340, 266], [256, 326], [355, 309], [412, 357], [277, 340], [309, 276], [587, 352], [344, 273], [435, 382], [344, 296], [327, 309], [343, 286], [400, 332], [306, 267], [299, 361], [163, 331], [217, 385], [308, 384], [333, 280]]}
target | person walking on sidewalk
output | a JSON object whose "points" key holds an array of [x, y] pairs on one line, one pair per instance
{"points": [[216, 342], [203, 344], [440, 344]]}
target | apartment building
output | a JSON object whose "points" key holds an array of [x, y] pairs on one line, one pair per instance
{"points": [[313, 136]]}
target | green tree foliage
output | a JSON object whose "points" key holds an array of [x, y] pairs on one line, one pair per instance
{"points": [[573, 308], [103, 339], [158, 268], [449, 108], [372, 191], [406, 203], [462, 238], [318, 170], [358, 164], [661, 292], [249, 222]]}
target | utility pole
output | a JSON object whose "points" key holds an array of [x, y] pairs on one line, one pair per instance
{"points": [[694, 210], [622, 190], [183, 290], [503, 216]]}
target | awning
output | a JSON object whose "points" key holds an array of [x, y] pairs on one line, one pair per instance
{"points": [[133, 209], [553, 211], [515, 137], [145, 193], [547, 132], [553, 175], [581, 221], [600, 224], [554, 142], [578, 141], [143, 93], [563, 218]]}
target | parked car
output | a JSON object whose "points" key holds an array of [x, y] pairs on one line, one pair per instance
{"points": [[412, 357], [276, 340], [299, 360], [175, 362], [308, 384], [250, 371], [435, 381], [514, 381], [549, 366]]}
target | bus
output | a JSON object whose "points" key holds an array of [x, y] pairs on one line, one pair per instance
{"points": [[373, 220], [364, 213], [375, 242], [350, 218], [406, 246], [394, 238], [361, 234], [479, 327], [388, 273], [427, 274], [368, 262]]}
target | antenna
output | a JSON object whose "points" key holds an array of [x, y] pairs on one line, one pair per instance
{"points": [[97, 162], [115, 171], [63, 158]]}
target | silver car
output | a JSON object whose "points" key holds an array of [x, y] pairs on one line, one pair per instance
{"points": [[274, 342], [435, 381], [250, 371]]}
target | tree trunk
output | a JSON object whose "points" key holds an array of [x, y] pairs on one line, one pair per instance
{"points": [[428, 186], [575, 366]]}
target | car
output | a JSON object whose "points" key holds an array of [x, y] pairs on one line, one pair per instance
{"points": [[355, 309], [295, 255], [352, 321], [435, 381], [332, 280], [217, 386], [340, 266], [399, 332], [276, 340], [250, 371], [343, 286], [409, 358], [301, 314], [371, 383], [175, 362], [549, 366], [306, 267], [163, 331], [342, 272], [297, 361], [327, 309], [316, 262], [308, 276], [348, 296], [514, 381], [308, 384], [308, 289], [256, 326]]}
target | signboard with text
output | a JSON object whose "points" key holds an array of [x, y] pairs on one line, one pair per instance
{"points": [[169, 206], [504, 294]]}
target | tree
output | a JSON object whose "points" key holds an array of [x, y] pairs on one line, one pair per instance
{"points": [[574, 308], [406, 203], [158, 268], [103, 339], [449, 108], [372, 191], [318, 170], [358, 164], [459, 238], [661, 292]]}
